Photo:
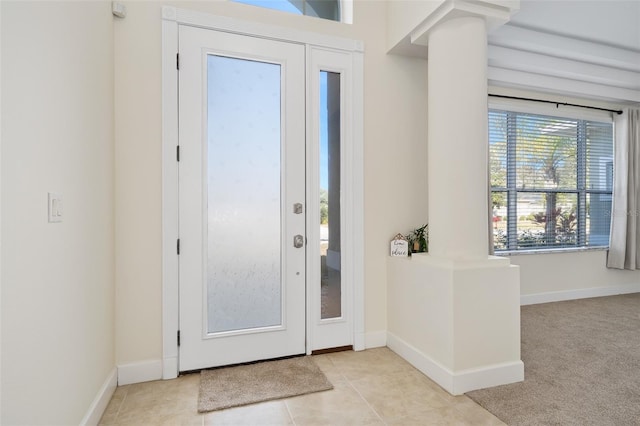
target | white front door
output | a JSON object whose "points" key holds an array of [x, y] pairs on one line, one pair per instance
{"points": [[241, 198]]}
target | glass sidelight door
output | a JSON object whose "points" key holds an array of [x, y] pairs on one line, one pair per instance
{"points": [[330, 242], [330, 260]]}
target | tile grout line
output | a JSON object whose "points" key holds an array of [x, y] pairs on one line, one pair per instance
{"points": [[364, 399], [121, 404], [286, 405], [358, 392], [346, 379]]}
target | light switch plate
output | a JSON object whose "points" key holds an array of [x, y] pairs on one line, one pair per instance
{"points": [[55, 207]]}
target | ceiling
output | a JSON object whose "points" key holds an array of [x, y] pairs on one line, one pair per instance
{"points": [[612, 22], [585, 48]]}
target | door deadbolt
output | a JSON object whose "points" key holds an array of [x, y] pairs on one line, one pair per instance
{"points": [[298, 241], [297, 208]]}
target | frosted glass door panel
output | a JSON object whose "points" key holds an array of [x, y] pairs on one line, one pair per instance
{"points": [[243, 195]]}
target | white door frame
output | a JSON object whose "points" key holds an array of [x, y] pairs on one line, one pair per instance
{"points": [[353, 231]]}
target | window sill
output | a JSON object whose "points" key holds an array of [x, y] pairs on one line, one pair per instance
{"points": [[550, 251]]}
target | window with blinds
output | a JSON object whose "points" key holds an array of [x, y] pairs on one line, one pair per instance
{"points": [[551, 181]]}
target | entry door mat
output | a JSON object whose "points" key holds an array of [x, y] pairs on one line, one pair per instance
{"points": [[264, 381]]}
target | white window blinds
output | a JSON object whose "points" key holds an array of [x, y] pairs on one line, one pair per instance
{"points": [[551, 181]]}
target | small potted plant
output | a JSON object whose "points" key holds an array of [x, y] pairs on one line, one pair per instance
{"points": [[419, 239], [410, 240]]}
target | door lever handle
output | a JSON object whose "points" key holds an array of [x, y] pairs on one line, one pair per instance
{"points": [[298, 241]]}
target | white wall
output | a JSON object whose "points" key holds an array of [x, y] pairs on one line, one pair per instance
{"points": [[579, 274], [57, 279], [394, 150]]}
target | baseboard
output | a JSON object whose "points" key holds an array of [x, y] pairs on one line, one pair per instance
{"points": [[460, 382], [584, 293], [138, 372], [375, 339], [100, 402], [432, 369], [488, 377]]}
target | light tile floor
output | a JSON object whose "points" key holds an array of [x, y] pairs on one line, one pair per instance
{"points": [[372, 387]]}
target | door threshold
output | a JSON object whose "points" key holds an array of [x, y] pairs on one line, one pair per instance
{"points": [[241, 363], [332, 350]]}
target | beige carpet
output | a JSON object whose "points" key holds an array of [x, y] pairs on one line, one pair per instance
{"points": [[582, 365], [246, 384]]}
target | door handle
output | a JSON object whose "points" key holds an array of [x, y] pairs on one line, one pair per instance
{"points": [[298, 241]]}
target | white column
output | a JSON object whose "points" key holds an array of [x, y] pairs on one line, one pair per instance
{"points": [[457, 163], [454, 313]]}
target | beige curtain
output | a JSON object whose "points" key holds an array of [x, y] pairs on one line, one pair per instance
{"points": [[624, 242], [490, 205]]}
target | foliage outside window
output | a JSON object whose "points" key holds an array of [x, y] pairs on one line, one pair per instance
{"points": [[551, 181]]}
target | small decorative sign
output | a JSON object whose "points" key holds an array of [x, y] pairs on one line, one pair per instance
{"points": [[399, 246]]}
